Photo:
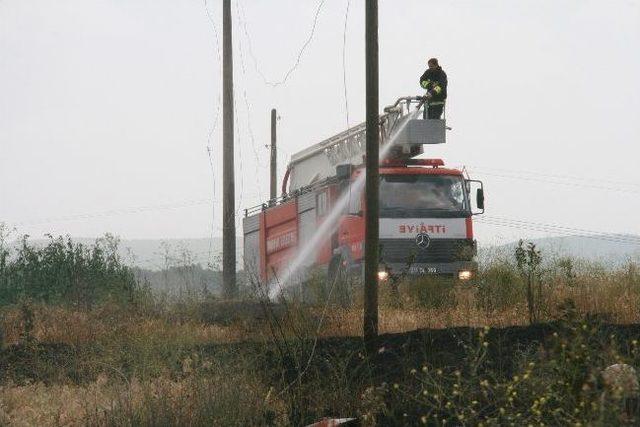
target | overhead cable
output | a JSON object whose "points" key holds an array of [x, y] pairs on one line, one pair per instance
{"points": [[215, 120], [576, 184], [290, 71], [598, 183], [559, 230], [344, 62], [249, 125], [123, 211]]}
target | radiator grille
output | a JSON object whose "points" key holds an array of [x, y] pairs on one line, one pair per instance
{"points": [[439, 250]]}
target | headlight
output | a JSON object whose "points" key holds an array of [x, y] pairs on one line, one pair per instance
{"points": [[465, 275], [383, 275]]}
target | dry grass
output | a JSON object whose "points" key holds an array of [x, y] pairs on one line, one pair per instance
{"points": [[58, 404], [106, 399], [144, 367], [611, 296], [54, 324], [349, 322]]}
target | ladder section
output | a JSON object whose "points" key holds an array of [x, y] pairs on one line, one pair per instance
{"points": [[402, 125]]}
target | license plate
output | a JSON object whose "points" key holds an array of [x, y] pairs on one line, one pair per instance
{"points": [[423, 270]]}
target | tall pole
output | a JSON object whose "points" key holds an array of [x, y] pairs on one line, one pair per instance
{"points": [[372, 180], [274, 159], [228, 183]]}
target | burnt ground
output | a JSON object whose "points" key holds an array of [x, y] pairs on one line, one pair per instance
{"points": [[392, 356], [317, 367], [388, 358], [348, 363]]}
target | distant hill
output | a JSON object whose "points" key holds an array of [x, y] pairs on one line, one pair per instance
{"points": [[588, 248], [154, 254]]}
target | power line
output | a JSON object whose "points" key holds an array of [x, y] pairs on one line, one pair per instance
{"points": [[559, 229], [217, 117], [241, 194], [213, 174], [344, 73], [344, 61], [213, 27], [575, 184], [214, 124], [557, 233], [564, 178], [248, 109], [122, 211], [213, 207], [300, 52]]}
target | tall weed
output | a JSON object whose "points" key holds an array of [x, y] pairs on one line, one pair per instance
{"points": [[64, 272]]}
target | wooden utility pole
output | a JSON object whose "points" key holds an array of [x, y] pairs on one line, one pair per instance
{"points": [[372, 180], [273, 193], [228, 182]]}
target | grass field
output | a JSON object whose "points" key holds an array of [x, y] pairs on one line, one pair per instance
{"points": [[447, 355]]}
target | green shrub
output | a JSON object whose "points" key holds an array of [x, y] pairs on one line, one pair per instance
{"points": [[429, 292], [499, 287], [528, 261], [66, 272]]}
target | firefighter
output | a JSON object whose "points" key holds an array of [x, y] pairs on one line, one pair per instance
{"points": [[434, 81]]}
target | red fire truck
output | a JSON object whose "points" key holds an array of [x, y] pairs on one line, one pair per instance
{"points": [[317, 224]]}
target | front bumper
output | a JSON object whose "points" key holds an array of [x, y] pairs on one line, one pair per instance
{"points": [[451, 269]]}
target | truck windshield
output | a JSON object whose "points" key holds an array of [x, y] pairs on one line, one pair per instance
{"points": [[411, 195]]}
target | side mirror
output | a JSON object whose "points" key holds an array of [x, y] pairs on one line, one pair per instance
{"points": [[480, 198]]}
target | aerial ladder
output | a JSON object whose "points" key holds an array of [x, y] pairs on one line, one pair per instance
{"points": [[400, 125]]}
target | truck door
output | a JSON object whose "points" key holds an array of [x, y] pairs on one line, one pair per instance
{"points": [[351, 229]]}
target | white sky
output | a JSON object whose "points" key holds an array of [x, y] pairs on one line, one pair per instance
{"points": [[106, 106]]}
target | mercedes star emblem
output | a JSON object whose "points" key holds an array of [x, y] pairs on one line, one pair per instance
{"points": [[423, 240]]}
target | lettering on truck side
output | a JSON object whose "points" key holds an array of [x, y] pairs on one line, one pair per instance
{"points": [[282, 241]]}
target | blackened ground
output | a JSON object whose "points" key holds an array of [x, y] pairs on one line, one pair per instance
{"points": [[304, 370], [391, 356]]}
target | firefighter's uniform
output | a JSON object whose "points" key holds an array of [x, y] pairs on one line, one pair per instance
{"points": [[434, 81]]}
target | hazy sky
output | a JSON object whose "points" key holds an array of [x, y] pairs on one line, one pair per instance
{"points": [[106, 107]]}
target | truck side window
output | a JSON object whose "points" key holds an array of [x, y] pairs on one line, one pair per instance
{"points": [[321, 204], [354, 203]]}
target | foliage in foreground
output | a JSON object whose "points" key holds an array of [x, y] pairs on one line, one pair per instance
{"points": [[65, 272], [122, 368], [559, 383], [193, 362]]}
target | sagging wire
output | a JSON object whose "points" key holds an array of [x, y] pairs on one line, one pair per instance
{"points": [[248, 109], [344, 62], [213, 127], [559, 229], [289, 72]]}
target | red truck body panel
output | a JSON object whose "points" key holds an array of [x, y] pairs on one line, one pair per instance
{"points": [[278, 238], [280, 225]]}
